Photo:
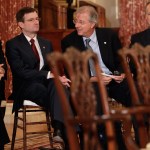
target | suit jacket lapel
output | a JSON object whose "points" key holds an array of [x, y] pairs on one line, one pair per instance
{"points": [[103, 44], [78, 42], [27, 47], [81, 43], [43, 48]]}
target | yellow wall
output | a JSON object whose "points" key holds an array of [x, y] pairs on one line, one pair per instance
{"points": [[111, 7]]}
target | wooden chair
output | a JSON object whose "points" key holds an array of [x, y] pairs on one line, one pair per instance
{"points": [[29, 106], [139, 59], [84, 102]]}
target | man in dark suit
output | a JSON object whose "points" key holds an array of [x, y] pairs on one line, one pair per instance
{"points": [[4, 139], [32, 79], [105, 43]]}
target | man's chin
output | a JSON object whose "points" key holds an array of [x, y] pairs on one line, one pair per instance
{"points": [[36, 31], [79, 33]]}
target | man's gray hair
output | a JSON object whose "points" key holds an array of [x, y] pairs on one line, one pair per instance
{"points": [[93, 15]]}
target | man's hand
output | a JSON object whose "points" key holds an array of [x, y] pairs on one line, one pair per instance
{"points": [[108, 78], [2, 71], [105, 79], [118, 79], [65, 81]]}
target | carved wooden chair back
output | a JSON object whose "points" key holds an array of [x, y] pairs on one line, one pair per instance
{"points": [[83, 99], [139, 60]]}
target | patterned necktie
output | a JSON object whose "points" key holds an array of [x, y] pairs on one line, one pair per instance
{"points": [[87, 41], [35, 49]]}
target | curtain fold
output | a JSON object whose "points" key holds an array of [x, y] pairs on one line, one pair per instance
{"points": [[132, 18], [8, 25], [9, 28]]}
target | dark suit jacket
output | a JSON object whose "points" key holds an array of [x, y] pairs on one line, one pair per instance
{"points": [[23, 64], [4, 138], [109, 45], [3, 133], [142, 38], [2, 83]]}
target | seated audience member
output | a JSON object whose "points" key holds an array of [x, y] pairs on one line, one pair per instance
{"points": [[32, 79], [4, 139], [105, 43]]}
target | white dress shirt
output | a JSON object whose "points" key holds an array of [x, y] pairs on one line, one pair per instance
{"points": [[95, 47]]}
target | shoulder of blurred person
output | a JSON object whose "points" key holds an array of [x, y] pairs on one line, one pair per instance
{"points": [[142, 38]]}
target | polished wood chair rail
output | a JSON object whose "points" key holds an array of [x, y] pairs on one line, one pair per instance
{"points": [[136, 64]]}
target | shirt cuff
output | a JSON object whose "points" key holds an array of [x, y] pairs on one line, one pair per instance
{"points": [[50, 75]]}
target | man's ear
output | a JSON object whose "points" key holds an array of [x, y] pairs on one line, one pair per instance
{"points": [[21, 24], [93, 25]]}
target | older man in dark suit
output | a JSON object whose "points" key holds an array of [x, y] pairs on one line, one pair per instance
{"points": [[32, 78], [105, 43]]}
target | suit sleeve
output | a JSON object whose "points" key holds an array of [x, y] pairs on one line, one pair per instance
{"points": [[2, 60], [116, 46], [19, 67], [133, 40], [64, 44]]}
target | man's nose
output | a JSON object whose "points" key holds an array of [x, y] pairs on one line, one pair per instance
{"points": [[77, 24]]}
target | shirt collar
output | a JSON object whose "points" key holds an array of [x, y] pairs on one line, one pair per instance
{"points": [[28, 38], [92, 37]]}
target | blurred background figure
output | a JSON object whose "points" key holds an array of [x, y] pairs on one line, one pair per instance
{"points": [[4, 139], [143, 37]]}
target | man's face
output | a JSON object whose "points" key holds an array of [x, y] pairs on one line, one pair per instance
{"points": [[148, 14], [82, 24], [30, 24]]}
